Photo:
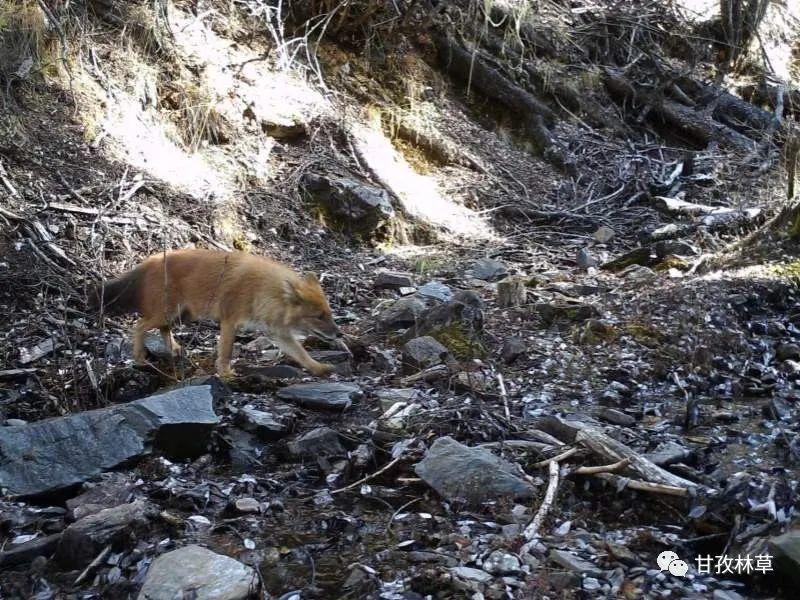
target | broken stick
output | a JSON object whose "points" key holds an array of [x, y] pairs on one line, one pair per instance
{"points": [[531, 532]]}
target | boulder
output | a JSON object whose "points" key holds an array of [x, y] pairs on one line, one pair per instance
{"points": [[111, 490], [470, 475], [393, 280], [456, 324], [82, 541], [324, 396], [56, 454], [487, 269], [786, 550], [423, 352], [436, 291], [349, 204], [199, 573], [268, 425], [322, 441], [402, 313]]}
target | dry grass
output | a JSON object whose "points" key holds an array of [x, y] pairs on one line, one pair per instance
{"points": [[27, 44], [193, 109]]}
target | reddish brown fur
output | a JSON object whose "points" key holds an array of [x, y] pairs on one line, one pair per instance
{"points": [[229, 287]]}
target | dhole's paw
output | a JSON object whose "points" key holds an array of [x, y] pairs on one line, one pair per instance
{"points": [[226, 375], [225, 371], [322, 369]]}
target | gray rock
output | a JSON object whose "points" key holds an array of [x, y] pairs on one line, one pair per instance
{"points": [[247, 505], [324, 396], [513, 348], [219, 389], [788, 351], [574, 563], [339, 359], [321, 441], [154, 344], [473, 475], [488, 269], [82, 541], [199, 572], [354, 206], [668, 453], [267, 425], [26, 552], [271, 373], [584, 260], [465, 310], [603, 234], [786, 550], [283, 128], [436, 290], [611, 415], [334, 357], [471, 574], [591, 584], [112, 490], [402, 313], [391, 396], [502, 563], [393, 280], [73, 449], [15, 423], [423, 352], [674, 247]]}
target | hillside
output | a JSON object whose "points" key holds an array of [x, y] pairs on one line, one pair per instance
{"points": [[560, 238]]}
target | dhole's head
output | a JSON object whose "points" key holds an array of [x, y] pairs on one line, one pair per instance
{"points": [[309, 311]]}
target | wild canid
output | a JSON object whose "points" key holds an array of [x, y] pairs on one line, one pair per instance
{"points": [[231, 288]]}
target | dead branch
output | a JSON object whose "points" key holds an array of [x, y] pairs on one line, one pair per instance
{"points": [[383, 469], [558, 458], [535, 116], [688, 121], [643, 486], [612, 468], [531, 532]]}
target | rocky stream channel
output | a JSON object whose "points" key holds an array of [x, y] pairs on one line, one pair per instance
{"points": [[552, 446]]}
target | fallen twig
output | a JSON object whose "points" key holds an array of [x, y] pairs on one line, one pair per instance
{"points": [[504, 395], [531, 532], [612, 468], [558, 458], [429, 374], [643, 486], [99, 559], [385, 468]]}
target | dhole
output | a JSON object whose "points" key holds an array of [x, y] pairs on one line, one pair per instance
{"points": [[232, 288]]}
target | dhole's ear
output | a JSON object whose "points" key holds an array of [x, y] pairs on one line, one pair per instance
{"points": [[291, 293], [311, 277]]}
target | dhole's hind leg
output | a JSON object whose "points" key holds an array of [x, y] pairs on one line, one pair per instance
{"points": [[169, 340], [227, 335]]}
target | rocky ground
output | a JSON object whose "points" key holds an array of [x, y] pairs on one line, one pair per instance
{"points": [[538, 407]]}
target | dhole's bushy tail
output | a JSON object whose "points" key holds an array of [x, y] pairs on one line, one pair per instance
{"points": [[118, 296]]}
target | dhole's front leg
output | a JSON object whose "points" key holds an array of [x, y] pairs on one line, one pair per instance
{"points": [[295, 349], [227, 335]]}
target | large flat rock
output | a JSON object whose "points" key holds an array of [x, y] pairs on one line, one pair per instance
{"points": [[53, 455], [470, 475], [323, 395]]}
